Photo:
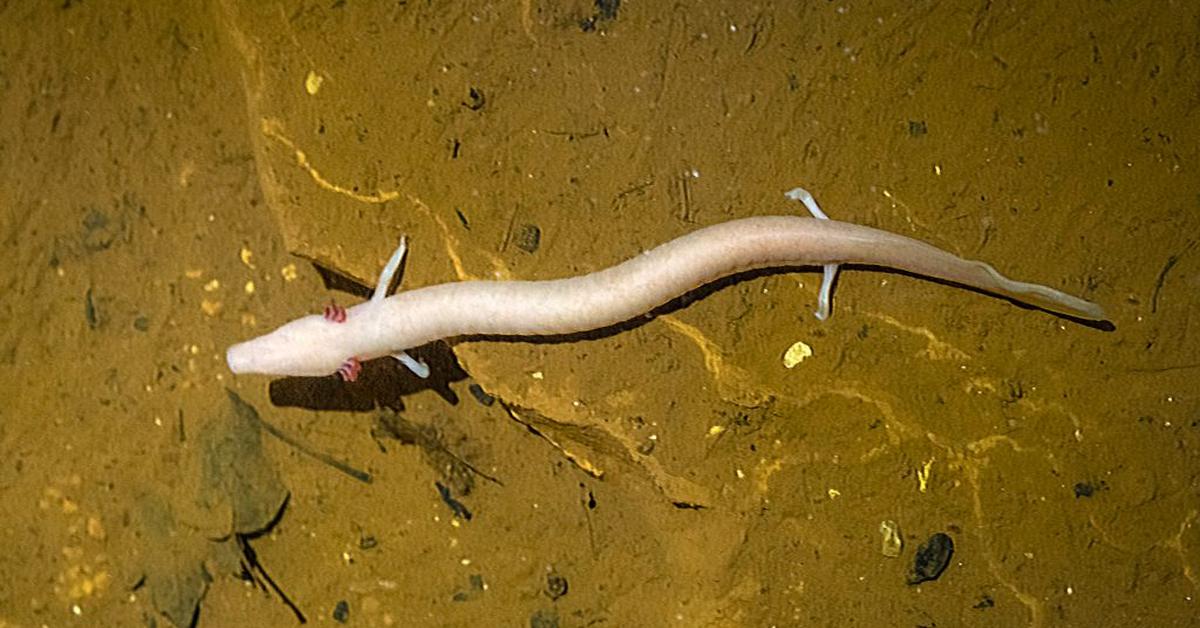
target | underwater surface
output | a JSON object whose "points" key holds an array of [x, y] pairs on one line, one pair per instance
{"points": [[181, 177]]}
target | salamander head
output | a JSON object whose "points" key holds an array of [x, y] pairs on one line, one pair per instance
{"points": [[310, 346]]}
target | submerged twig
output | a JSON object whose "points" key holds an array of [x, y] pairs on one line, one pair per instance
{"points": [[361, 476], [1162, 275], [254, 569], [429, 439]]}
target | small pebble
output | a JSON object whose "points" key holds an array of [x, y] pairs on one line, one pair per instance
{"points": [[312, 82], [475, 99], [797, 353], [529, 238], [481, 395], [556, 586], [607, 9], [341, 612]]}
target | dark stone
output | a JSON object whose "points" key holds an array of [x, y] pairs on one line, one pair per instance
{"points": [[543, 619], [607, 9], [481, 395], [341, 611], [459, 509], [99, 232], [932, 558], [475, 100], [556, 586], [985, 602], [529, 238]]}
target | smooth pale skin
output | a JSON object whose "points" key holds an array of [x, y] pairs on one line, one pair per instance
{"points": [[314, 346]]}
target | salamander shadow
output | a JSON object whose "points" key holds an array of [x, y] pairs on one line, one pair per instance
{"points": [[383, 383]]}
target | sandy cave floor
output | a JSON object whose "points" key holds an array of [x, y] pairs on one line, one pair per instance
{"points": [[170, 173]]}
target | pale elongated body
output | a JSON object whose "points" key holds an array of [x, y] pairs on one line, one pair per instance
{"points": [[312, 345]]}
